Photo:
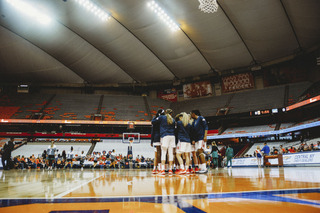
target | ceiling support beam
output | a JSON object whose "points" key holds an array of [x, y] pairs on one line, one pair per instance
{"points": [[211, 68], [289, 20], [239, 34], [176, 77], [98, 50]]}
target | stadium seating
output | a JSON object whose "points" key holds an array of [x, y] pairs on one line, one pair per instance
{"points": [[258, 99], [249, 129], [73, 106], [296, 90], [26, 104], [207, 106], [118, 107]]}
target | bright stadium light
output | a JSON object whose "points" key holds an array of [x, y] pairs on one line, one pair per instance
{"points": [[163, 15], [27, 9], [90, 6]]}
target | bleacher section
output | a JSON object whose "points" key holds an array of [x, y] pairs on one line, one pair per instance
{"points": [[268, 98], [73, 106], [155, 104], [126, 107], [249, 129], [118, 107], [207, 106], [37, 148], [289, 125], [143, 148], [22, 105], [296, 90]]}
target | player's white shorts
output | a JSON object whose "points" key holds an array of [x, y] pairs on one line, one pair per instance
{"points": [[183, 147], [156, 144], [168, 141], [200, 145], [193, 149]]}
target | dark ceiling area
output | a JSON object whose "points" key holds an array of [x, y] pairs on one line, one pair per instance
{"points": [[134, 45]]}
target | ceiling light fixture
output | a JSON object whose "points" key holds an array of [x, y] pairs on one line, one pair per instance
{"points": [[30, 11], [163, 15], [90, 6]]}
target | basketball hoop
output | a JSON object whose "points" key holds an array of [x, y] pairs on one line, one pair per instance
{"points": [[208, 6]]}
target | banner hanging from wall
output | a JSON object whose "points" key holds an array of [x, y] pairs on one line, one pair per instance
{"points": [[198, 89], [237, 82], [169, 95]]}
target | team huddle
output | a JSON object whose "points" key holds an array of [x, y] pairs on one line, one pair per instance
{"points": [[175, 140]]}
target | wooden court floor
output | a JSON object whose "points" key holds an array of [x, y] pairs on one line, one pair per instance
{"points": [[295, 189]]}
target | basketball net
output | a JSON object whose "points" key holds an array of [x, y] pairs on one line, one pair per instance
{"points": [[208, 6]]}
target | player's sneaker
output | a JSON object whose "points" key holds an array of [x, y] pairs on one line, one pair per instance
{"points": [[162, 172], [182, 172], [154, 171], [196, 170], [188, 171], [203, 171], [170, 172]]}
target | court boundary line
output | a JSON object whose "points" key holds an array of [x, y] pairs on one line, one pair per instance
{"points": [[59, 196], [143, 196]]}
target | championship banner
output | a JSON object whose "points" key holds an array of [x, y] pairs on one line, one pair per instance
{"points": [[198, 89], [169, 95], [237, 82]]}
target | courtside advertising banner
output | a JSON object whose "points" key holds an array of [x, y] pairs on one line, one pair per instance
{"points": [[198, 89], [294, 159], [237, 82]]}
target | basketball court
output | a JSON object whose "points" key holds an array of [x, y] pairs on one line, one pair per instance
{"points": [[123, 190]]}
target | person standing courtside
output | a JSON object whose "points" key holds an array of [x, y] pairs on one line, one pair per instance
{"points": [[51, 154], [266, 149], [6, 154], [155, 142], [229, 155], [167, 138], [199, 136], [214, 153]]}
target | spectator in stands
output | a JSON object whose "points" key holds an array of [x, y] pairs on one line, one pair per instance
{"points": [[229, 155], [274, 151], [258, 154], [282, 150], [155, 141], [292, 150], [199, 137], [214, 153], [265, 150], [167, 130]]}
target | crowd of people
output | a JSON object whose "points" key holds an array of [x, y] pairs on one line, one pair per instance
{"points": [[50, 159]]}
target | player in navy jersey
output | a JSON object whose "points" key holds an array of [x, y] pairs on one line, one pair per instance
{"points": [[167, 138], [199, 137], [155, 141], [184, 142]]}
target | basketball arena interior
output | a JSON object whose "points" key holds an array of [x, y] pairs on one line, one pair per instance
{"points": [[88, 80]]}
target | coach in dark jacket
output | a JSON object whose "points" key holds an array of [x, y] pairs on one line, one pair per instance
{"points": [[6, 154]]}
